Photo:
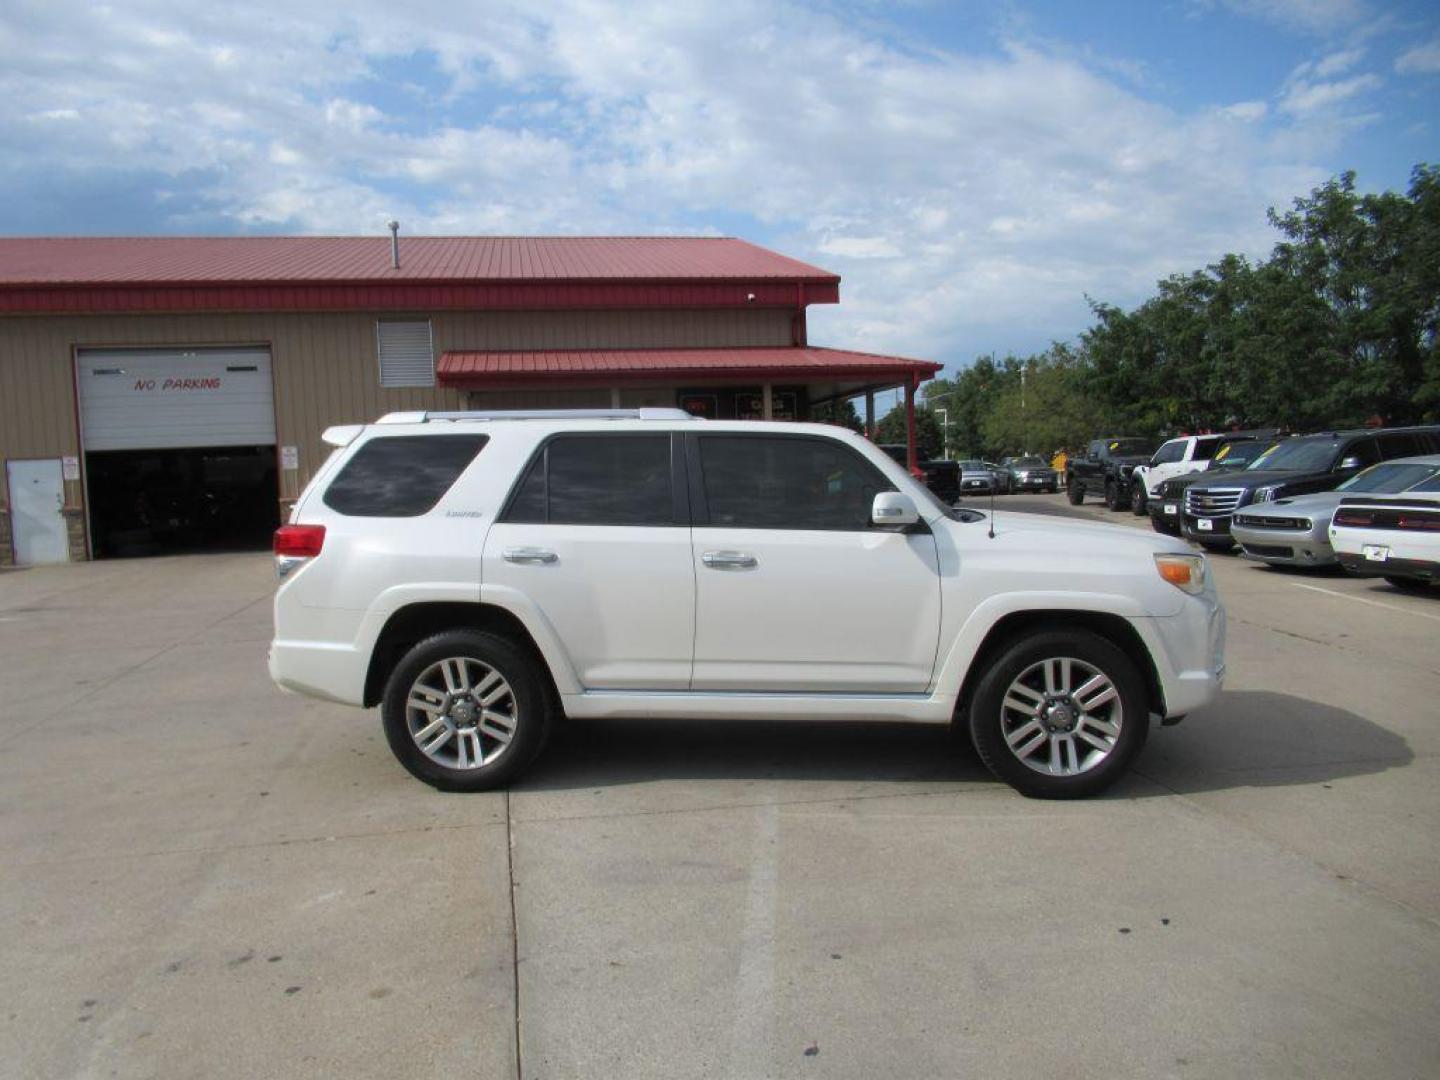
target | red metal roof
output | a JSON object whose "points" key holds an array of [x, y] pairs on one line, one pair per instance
{"points": [[235, 260], [476, 370]]}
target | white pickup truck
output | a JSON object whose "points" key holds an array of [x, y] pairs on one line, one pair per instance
{"points": [[481, 575]]}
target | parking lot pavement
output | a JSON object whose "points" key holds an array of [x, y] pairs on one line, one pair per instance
{"points": [[205, 877]]}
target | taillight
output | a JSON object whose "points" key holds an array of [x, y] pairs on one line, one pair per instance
{"points": [[1429, 524], [1353, 517], [299, 541]]}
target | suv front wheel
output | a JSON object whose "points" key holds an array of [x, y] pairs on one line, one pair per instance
{"points": [[1060, 714], [465, 711]]}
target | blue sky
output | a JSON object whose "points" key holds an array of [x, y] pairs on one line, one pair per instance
{"points": [[972, 170]]}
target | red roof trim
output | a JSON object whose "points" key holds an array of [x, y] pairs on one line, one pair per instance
{"points": [[482, 370], [437, 296]]}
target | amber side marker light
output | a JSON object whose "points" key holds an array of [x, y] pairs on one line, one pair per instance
{"points": [[1185, 572]]}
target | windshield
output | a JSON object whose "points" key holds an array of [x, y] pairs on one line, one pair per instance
{"points": [[973, 466], [1236, 455], [1135, 447], [1390, 477], [1298, 455], [1028, 462]]}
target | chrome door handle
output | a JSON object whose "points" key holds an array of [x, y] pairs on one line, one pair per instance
{"points": [[529, 555], [729, 560]]}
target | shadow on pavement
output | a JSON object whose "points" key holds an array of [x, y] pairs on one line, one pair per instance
{"points": [[596, 753], [1248, 739], [1257, 738]]}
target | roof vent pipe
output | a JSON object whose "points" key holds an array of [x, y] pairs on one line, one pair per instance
{"points": [[394, 245]]}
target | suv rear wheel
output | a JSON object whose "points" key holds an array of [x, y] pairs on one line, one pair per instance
{"points": [[465, 710], [1139, 500], [1074, 493], [1060, 714]]}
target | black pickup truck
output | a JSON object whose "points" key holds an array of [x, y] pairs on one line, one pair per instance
{"points": [[1104, 469], [941, 475]]}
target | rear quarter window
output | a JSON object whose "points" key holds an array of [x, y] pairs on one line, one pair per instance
{"points": [[401, 475]]}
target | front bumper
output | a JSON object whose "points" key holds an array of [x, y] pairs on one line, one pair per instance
{"points": [[1285, 547], [1213, 529], [970, 487], [1036, 483], [1189, 653]]}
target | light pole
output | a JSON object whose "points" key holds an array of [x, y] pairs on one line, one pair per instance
{"points": [[944, 431]]}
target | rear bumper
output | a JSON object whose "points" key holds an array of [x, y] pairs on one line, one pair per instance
{"points": [[335, 672], [1419, 569]]}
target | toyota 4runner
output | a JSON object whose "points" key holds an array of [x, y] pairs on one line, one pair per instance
{"points": [[480, 575]]}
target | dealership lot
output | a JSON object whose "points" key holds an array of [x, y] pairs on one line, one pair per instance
{"points": [[205, 877]]}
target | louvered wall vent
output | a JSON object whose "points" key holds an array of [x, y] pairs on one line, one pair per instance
{"points": [[407, 355]]}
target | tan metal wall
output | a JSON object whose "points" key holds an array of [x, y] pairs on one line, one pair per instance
{"points": [[326, 369]]}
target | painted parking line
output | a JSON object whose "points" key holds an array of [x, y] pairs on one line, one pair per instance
{"points": [[1363, 600]]}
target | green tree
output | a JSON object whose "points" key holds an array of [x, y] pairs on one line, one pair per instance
{"points": [[891, 429], [841, 413]]}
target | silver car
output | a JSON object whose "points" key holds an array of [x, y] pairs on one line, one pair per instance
{"points": [[976, 478], [1295, 531]]}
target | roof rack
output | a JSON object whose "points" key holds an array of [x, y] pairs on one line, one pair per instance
{"points": [[427, 416]]}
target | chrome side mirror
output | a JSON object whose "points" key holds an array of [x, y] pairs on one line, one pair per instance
{"points": [[893, 508]]}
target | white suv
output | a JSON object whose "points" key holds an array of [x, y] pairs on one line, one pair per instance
{"points": [[478, 576]]}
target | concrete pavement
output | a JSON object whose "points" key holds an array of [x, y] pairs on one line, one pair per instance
{"points": [[205, 877]]}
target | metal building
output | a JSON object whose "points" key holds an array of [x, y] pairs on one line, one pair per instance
{"points": [[164, 394]]}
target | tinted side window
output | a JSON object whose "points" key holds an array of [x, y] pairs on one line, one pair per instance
{"points": [[401, 475], [1169, 453], [597, 480], [770, 482], [1363, 449], [1393, 446], [1205, 449]]}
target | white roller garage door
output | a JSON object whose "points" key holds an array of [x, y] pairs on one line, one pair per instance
{"points": [[156, 399]]}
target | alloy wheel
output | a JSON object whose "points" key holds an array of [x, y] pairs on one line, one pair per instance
{"points": [[461, 713], [1061, 716]]}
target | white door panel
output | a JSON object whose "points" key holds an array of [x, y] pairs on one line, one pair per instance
{"points": [[819, 611], [621, 598], [37, 495]]}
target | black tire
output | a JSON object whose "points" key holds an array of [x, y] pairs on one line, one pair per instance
{"points": [[1160, 525], [1214, 548], [532, 709], [1139, 501], [1053, 489], [1074, 492], [1115, 496], [987, 720]]}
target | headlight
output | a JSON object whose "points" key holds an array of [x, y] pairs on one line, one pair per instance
{"points": [[1185, 572], [1265, 494], [1023, 474]]}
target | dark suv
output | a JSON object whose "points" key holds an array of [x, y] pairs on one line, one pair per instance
{"points": [[1297, 466], [1166, 499]]}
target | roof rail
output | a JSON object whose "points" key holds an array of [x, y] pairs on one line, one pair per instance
{"points": [[536, 414]]}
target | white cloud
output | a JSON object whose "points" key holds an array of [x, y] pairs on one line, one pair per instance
{"points": [[969, 200], [1312, 16], [1421, 60], [1307, 97]]}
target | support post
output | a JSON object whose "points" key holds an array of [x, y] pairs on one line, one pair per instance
{"points": [[870, 414], [911, 460], [614, 397], [767, 409]]}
